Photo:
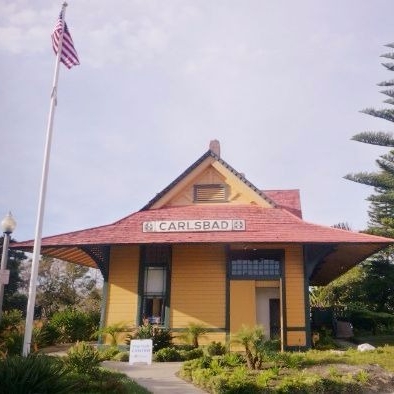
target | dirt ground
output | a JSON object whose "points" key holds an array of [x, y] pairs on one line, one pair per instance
{"points": [[380, 381]]}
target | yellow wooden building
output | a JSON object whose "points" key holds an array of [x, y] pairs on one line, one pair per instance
{"points": [[213, 249]]}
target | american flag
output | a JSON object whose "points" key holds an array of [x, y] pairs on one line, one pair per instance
{"points": [[69, 56]]}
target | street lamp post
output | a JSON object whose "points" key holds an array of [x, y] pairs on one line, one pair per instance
{"points": [[8, 225]]}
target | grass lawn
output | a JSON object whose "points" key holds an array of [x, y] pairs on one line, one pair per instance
{"points": [[106, 381]]}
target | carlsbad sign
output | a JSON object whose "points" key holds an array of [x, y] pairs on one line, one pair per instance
{"points": [[168, 226]]}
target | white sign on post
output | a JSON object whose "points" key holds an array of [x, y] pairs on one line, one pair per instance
{"points": [[141, 351], [4, 277]]}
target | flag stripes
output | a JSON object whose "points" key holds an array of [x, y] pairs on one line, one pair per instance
{"points": [[69, 56]]}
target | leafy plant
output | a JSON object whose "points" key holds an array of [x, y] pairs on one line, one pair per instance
{"points": [[161, 337], [192, 333], [34, 374], [45, 335], [74, 325], [232, 359], [168, 354], [121, 356], [108, 352], [82, 358], [113, 332], [216, 349], [191, 354], [11, 332], [252, 339]]}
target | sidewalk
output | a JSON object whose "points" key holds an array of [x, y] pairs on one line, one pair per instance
{"points": [[157, 378]]}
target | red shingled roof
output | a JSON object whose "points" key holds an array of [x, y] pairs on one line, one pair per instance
{"points": [[263, 225], [288, 199], [268, 225]]}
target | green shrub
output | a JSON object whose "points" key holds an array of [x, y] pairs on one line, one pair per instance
{"points": [[366, 320], [288, 359], [203, 378], [264, 377], [121, 356], [82, 358], [11, 332], [11, 320], [216, 349], [161, 337], [192, 333], [183, 346], [168, 354], [191, 354], [231, 360], [33, 374], [108, 352], [74, 325], [223, 382], [189, 366], [113, 332], [46, 335], [253, 340]]}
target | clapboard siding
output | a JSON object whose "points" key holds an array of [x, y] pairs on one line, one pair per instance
{"points": [[198, 286], [295, 298], [123, 285]]}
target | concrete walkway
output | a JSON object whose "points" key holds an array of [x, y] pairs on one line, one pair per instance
{"points": [[157, 378]]}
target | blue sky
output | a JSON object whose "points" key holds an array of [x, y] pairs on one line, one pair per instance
{"points": [[279, 83]]}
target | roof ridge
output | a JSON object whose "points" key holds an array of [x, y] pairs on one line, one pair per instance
{"points": [[207, 154]]}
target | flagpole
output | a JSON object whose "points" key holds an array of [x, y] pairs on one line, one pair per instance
{"points": [[41, 203]]}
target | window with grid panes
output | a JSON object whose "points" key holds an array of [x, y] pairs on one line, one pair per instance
{"points": [[258, 264]]}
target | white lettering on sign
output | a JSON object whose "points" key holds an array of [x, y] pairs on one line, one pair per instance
{"points": [[168, 226], [141, 351]]}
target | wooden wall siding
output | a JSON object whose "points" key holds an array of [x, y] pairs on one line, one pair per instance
{"points": [[296, 338], [122, 299], [186, 196], [242, 304], [268, 283], [205, 339], [198, 286], [295, 300], [239, 193]]}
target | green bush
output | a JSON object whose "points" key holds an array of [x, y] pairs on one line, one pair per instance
{"points": [[216, 349], [370, 321], [191, 354], [11, 332], [82, 358], [184, 346], [192, 333], [121, 356], [189, 366], [237, 382], [161, 337], [75, 325], [202, 378], [168, 354], [253, 340], [265, 377], [232, 360], [108, 352], [46, 335], [33, 374], [11, 320]]}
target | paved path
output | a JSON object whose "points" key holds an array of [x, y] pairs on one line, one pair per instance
{"points": [[158, 377]]}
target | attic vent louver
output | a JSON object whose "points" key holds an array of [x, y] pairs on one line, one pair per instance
{"points": [[210, 193]]}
